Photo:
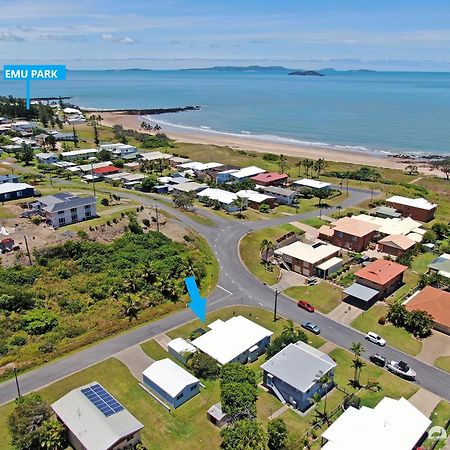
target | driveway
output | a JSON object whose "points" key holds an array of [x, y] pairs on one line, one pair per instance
{"points": [[425, 401], [345, 313], [438, 344], [311, 233], [288, 279], [135, 359]]}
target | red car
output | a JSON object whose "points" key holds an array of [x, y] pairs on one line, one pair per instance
{"points": [[305, 305]]}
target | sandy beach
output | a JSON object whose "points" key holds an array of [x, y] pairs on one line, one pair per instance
{"points": [[263, 146]]}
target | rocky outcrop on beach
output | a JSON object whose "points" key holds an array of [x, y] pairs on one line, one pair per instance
{"points": [[150, 111]]}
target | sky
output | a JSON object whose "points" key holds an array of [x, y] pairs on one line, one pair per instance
{"points": [[167, 34]]}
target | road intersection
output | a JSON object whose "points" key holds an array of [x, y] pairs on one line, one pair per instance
{"points": [[236, 286]]}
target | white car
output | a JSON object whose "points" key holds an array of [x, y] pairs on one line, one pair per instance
{"points": [[375, 338]]}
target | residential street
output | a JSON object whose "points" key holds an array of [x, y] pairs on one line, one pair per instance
{"points": [[236, 286]]}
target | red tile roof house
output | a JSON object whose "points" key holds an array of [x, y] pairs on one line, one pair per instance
{"points": [[349, 233], [382, 275], [108, 170], [435, 302], [270, 179]]}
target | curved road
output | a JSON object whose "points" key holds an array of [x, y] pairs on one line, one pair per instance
{"points": [[236, 286]]}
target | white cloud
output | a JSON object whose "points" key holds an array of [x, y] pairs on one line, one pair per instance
{"points": [[8, 36], [117, 40]]}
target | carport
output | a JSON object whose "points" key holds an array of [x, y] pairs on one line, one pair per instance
{"points": [[361, 296]]}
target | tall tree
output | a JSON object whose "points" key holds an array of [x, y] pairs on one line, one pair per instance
{"points": [[319, 165], [357, 364], [267, 246], [282, 163], [307, 164], [244, 435], [444, 166], [277, 434]]}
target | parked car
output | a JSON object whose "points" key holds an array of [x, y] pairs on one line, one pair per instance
{"points": [[375, 338], [311, 327], [378, 359], [401, 369], [305, 305], [312, 280]]}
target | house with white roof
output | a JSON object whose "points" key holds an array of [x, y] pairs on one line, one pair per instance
{"points": [[416, 208], [283, 196], [180, 349], [311, 184], [307, 259], [172, 384], [95, 420], [47, 158], [120, 150], [226, 199], [246, 172], [392, 424], [79, 154], [234, 340], [155, 156], [23, 126], [15, 191], [256, 199], [293, 374], [404, 226]]}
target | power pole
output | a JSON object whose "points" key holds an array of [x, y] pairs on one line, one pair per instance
{"points": [[275, 305], [157, 218], [17, 381], [347, 185], [28, 251], [92, 175]]}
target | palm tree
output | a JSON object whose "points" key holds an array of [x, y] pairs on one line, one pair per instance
{"points": [[307, 164], [299, 164], [289, 328], [241, 203], [323, 379], [357, 349], [319, 165], [131, 307], [282, 163], [157, 128], [267, 246]]}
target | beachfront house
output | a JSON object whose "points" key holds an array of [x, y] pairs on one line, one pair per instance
{"points": [[122, 151], [95, 420], [170, 383], [270, 179], [245, 173], [293, 375], [308, 183]]}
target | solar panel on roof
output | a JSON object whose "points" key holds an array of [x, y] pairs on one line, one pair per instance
{"points": [[102, 400]]}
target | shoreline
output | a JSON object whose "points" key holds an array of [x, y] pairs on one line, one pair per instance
{"points": [[255, 144]]}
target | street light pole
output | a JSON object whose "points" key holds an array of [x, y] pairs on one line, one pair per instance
{"points": [[275, 305], [157, 218]]}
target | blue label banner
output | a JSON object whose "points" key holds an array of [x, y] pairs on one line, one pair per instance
{"points": [[33, 72]]}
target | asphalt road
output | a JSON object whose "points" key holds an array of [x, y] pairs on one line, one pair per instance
{"points": [[236, 286]]}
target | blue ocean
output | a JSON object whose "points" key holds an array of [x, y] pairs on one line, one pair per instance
{"points": [[372, 111]]}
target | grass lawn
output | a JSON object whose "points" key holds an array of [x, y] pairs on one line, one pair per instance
{"points": [[411, 280], [443, 362], [258, 315], [393, 386], [5, 213], [250, 251], [314, 222], [163, 430], [322, 296], [421, 262], [440, 417], [396, 337], [155, 351]]}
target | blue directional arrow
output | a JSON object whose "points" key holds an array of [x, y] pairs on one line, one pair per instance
{"points": [[197, 303]]}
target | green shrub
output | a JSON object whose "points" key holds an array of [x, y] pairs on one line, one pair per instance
{"points": [[38, 321], [18, 339]]}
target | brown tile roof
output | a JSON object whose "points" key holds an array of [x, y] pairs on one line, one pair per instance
{"points": [[434, 301], [381, 271], [326, 230], [398, 241], [354, 227], [271, 176]]}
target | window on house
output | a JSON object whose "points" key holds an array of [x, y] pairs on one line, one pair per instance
{"points": [[88, 214], [354, 238], [60, 213], [339, 234], [7, 196], [87, 207], [193, 387], [74, 217], [73, 210], [179, 396], [19, 194], [62, 221]]}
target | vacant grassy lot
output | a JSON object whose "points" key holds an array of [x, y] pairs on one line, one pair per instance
{"points": [[443, 362], [322, 296], [250, 251], [396, 337]]}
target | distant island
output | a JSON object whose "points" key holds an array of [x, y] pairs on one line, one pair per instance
{"points": [[307, 73]]}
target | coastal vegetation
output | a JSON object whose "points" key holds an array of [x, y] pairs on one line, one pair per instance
{"points": [[82, 291]]}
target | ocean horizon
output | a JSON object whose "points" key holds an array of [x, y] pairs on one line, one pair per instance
{"points": [[377, 112]]}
